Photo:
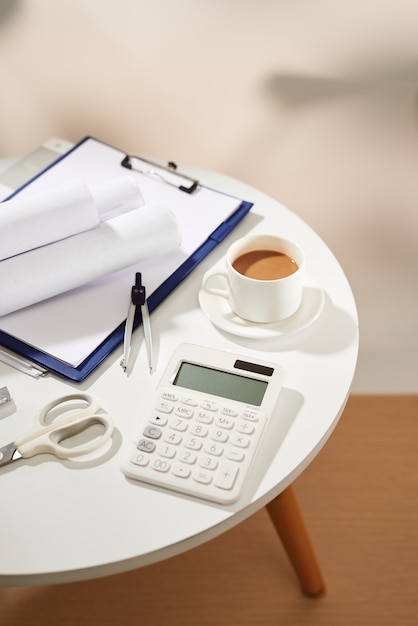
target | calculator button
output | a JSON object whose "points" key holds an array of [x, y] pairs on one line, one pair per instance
{"points": [[189, 400], [199, 430], [202, 477], [167, 451], [164, 407], [219, 435], [145, 445], [160, 465], [224, 422], [140, 459], [226, 410], [152, 432], [235, 455], [183, 411], [204, 418], [208, 462], [159, 419], [226, 476], [214, 448], [168, 395], [172, 437], [251, 416], [178, 424], [245, 428], [187, 457], [192, 443], [208, 405], [182, 471], [240, 441]]}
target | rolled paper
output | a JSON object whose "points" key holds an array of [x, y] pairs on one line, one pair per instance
{"points": [[116, 197], [58, 267], [43, 218]]}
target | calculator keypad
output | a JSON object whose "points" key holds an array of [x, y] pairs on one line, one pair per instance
{"points": [[196, 445]]}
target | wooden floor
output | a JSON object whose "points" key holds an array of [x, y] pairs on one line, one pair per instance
{"points": [[360, 500]]}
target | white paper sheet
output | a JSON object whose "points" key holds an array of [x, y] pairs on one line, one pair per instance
{"points": [[42, 218], [72, 325], [50, 270]]}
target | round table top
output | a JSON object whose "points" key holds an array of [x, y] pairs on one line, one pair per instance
{"points": [[63, 520]]}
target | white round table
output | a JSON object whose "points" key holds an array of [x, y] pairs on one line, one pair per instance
{"points": [[63, 521]]}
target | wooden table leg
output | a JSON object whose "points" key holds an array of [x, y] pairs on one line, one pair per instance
{"points": [[287, 518]]}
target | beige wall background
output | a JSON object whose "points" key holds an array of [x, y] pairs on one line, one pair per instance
{"points": [[313, 101]]}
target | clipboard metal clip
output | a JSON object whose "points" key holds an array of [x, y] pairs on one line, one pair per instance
{"points": [[167, 175]]}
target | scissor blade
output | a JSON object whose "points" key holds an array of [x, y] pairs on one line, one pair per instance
{"points": [[9, 453], [147, 334]]}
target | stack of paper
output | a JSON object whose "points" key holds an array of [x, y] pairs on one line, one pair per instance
{"points": [[71, 333]]}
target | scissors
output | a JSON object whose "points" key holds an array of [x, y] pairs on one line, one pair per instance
{"points": [[57, 422]]}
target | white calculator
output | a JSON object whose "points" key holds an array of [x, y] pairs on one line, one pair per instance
{"points": [[204, 423]]}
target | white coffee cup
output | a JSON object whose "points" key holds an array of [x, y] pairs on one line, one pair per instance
{"points": [[269, 297]]}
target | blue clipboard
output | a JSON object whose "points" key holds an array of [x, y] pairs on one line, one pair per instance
{"points": [[78, 373]]}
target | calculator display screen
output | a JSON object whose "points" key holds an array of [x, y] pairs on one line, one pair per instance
{"points": [[220, 383]]}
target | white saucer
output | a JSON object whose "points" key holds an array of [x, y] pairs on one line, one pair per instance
{"points": [[218, 310]]}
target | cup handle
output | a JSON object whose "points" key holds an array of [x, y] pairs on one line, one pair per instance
{"points": [[215, 289]]}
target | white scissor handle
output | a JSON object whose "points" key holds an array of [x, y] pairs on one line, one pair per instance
{"points": [[48, 437]]}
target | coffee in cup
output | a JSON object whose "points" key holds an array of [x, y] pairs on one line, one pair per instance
{"points": [[265, 264], [264, 278]]}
